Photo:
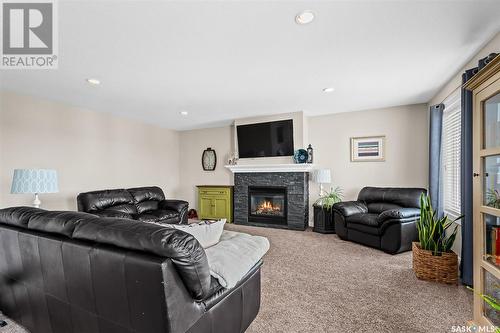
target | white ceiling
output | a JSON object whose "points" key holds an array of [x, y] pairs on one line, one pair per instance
{"points": [[222, 60]]}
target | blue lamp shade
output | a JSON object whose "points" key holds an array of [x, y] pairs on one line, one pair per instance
{"points": [[34, 181]]}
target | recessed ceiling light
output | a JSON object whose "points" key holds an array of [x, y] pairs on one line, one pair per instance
{"points": [[328, 90], [304, 17], [95, 82], [184, 113]]}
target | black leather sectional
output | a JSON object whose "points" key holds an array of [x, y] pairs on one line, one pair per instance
{"points": [[384, 218], [75, 272], [146, 204]]}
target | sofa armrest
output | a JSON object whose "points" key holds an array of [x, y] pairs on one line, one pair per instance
{"points": [[399, 214], [348, 208], [180, 206]]}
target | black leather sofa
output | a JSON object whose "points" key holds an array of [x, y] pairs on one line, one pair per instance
{"points": [[384, 218], [75, 272], [146, 204]]}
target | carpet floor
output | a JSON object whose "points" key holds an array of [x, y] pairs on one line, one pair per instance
{"points": [[319, 283]]}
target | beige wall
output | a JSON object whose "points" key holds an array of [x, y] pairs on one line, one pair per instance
{"points": [[406, 131], [192, 145], [90, 150]]}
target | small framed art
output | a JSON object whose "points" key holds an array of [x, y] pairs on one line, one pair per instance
{"points": [[368, 149]]}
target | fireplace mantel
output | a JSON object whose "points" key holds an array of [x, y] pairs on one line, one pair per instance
{"points": [[242, 168]]}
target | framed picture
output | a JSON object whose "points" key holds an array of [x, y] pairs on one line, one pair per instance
{"points": [[368, 149]]}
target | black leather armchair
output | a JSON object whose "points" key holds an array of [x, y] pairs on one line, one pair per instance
{"points": [[75, 272], [384, 218], [147, 204]]}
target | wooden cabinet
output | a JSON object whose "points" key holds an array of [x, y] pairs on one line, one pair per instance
{"points": [[485, 87], [215, 202]]}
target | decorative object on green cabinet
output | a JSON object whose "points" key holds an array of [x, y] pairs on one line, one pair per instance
{"points": [[215, 202]]}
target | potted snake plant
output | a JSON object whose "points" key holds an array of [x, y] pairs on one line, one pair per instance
{"points": [[323, 215], [433, 259]]}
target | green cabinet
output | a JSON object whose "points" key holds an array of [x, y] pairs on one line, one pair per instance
{"points": [[215, 202]]}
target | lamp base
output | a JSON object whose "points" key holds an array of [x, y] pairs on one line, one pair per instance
{"points": [[36, 201]]}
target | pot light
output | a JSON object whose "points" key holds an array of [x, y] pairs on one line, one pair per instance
{"points": [[304, 17], [184, 113], [95, 82], [328, 90]]}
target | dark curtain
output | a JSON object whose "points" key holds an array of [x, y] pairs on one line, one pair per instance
{"points": [[435, 132], [466, 272], [466, 173]]}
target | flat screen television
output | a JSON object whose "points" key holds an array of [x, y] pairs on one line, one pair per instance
{"points": [[269, 139]]}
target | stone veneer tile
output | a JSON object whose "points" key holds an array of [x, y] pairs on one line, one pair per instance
{"points": [[297, 184]]}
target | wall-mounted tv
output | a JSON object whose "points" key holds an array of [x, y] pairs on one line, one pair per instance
{"points": [[269, 139]]}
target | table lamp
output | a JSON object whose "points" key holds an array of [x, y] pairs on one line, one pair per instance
{"points": [[34, 181], [321, 176]]}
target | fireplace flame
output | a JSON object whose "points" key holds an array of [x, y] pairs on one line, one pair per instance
{"points": [[267, 207]]}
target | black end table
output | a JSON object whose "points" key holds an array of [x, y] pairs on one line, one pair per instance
{"points": [[323, 220]]}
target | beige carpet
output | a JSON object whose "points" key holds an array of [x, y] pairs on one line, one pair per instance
{"points": [[318, 283], [11, 327]]}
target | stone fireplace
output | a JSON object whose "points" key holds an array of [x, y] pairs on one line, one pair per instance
{"points": [[272, 195]]}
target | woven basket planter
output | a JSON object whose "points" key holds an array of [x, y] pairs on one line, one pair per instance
{"points": [[442, 268]]}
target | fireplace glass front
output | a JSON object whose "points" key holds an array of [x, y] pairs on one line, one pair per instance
{"points": [[267, 204]]}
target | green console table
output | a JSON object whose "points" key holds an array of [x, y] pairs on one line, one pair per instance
{"points": [[215, 202]]}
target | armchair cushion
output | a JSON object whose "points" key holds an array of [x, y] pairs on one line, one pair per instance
{"points": [[348, 208], [368, 219], [398, 214]]}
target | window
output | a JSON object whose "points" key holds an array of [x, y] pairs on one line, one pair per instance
{"points": [[451, 146]]}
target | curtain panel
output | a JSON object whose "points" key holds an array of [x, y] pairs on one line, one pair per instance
{"points": [[435, 135]]}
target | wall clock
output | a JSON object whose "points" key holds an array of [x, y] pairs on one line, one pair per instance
{"points": [[209, 159]]}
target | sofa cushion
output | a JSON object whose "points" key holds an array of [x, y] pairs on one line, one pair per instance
{"points": [[58, 222], [113, 213], [126, 209], [146, 198], [157, 215], [18, 216], [119, 200]]}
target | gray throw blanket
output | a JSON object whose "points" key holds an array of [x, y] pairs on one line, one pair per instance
{"points": [[234, 255]]}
